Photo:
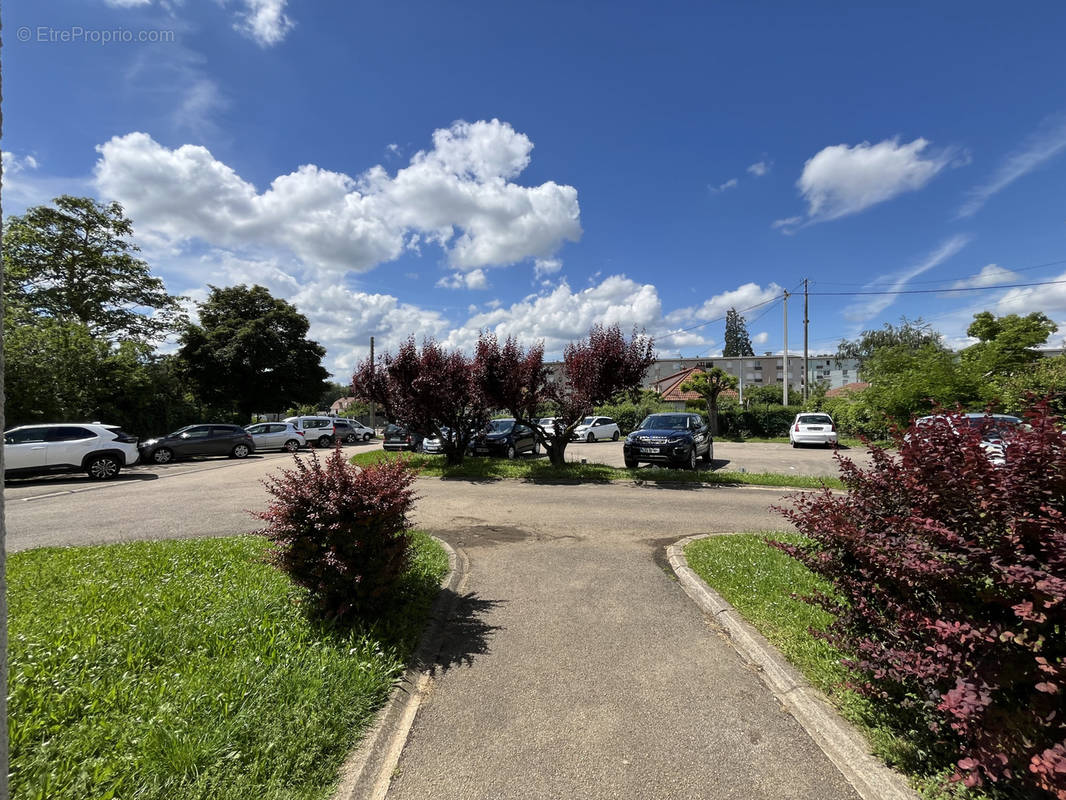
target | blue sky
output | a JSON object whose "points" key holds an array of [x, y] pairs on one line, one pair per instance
{"points": [[435, 169]]}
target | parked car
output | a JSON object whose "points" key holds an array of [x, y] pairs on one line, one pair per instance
{"points": [[676, 440], [397, 437], [548, 423], [434, 443], [277, 435], [199, 440], [593, 429], [506, 438], [996, 430], [813, 428], [99, 450], [350, 431], [317, 430]]}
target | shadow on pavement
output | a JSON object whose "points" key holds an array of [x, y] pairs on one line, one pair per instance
{"points": [[466, 634], [75, 480]]}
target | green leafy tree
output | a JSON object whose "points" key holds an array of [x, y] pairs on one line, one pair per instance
{"points": [[709, 385], [1006, 345], [737, 340], [907, 382], [334, 392], [75, 261], [769, 395], [912, 336], [1045, 378], [250, 352]]}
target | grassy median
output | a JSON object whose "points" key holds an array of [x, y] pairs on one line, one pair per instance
{"points": [[187, 669], [763, 584], [540, 469]]}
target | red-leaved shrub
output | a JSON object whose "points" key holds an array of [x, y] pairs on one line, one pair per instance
{"points": [[341, 532], [950, 582]]}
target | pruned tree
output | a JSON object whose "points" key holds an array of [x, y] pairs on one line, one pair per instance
{"points": [[709, 385], [594, 370], [430, 390], [737, 339]]}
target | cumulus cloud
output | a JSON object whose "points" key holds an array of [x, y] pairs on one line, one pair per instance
{"points": [[14, 164], [762, 337], [464, 280], [729, 184], [893, 284], [1051, 299], [841, 180], [745, 296], [1041, 147], [459, 194], [760, 168], [564, 315], [990, 275], [543, 267]]}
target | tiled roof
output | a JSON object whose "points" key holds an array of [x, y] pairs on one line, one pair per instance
{"points": [[673, 394], [848, 388]]}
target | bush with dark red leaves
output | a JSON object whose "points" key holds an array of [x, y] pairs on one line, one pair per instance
{"points": [[341, 532], [949, 578]]}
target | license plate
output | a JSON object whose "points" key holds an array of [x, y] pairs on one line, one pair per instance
{"points": [[483, 449], [814, 427], [649, 449]]}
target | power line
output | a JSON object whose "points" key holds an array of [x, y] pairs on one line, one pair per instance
{"points": [[940, 291], [717, 319], [948, 280]]}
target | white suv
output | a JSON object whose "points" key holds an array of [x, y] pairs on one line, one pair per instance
{"points": [[96, 449], [316, 430]]}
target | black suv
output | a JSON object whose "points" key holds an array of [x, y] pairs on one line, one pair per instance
{"points": [[199, 440], [676, 440], [504, 437]]}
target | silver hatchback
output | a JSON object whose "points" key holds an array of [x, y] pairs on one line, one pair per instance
{"points": [[276, 436]]}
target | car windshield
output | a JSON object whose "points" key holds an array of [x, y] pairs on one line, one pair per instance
{"points": [[500, 426], [588, 420], [393, 430], [673, 422], [815, 419], [178, 432]]}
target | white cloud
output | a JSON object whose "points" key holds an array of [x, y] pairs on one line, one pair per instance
{"points": [[990, 275], [544, 267], [729, 184], [264, 21], [842, 180], [744, 296], [1051, 299], [464, 280], [892, 285], [14, 164], [1044, 145], [762, 337], [459, 195], [760, 168], [563, 315], [127, 3]]}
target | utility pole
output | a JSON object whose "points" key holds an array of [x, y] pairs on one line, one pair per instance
{"points": [[784, 358], [806, 370], [373, 405]]}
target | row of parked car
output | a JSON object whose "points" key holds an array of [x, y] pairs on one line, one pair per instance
{"points": [[101, 451]]}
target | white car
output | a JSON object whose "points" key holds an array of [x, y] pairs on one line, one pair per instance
{"points": [[316, 430], [996, 430], [277, 436], [96, 449], [594, 429], [813, 428]]}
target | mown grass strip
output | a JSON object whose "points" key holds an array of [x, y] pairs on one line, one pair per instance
{"points": [[187, 669], [540, 469], [764, 585]]}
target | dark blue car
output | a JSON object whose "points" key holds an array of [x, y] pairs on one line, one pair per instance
{"points": [[674, 440]]}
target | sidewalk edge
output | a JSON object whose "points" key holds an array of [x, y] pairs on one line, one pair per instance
{"points": [[842, 744]]}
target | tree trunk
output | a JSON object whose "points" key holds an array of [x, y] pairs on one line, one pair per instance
{"points": [[556, 452], [712, 412]]}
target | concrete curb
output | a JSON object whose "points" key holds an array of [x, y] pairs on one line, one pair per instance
{"points": [[368, 771], [842, 744]]}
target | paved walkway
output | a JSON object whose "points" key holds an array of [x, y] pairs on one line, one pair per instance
{"points": [[580, 669]]}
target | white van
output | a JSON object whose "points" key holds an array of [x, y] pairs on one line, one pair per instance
{"points": [[316, 430]]}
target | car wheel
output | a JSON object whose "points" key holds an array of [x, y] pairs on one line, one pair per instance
{"points": [[631, 464], [240, 451], [164, 455], [536, 448], [292, 445], [324, 441], [590, 438], [102, 468], [692, 458], [614, 436], [349, 439], [510, 452], [366, 437], [708, 456], [794, 443]]}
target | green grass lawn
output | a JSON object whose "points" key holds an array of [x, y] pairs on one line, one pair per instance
{"points": [[187, 669], [759, 581], [540, 469]]}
